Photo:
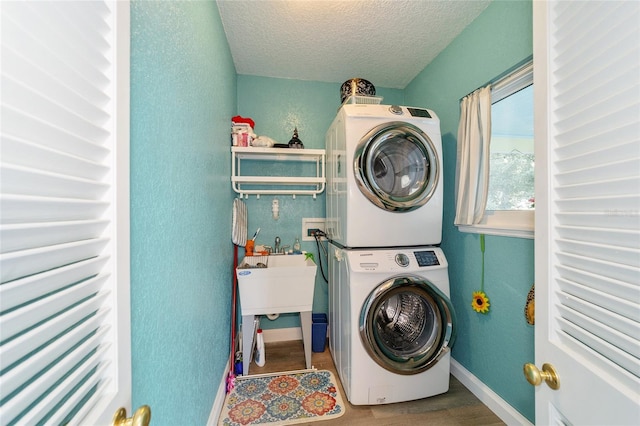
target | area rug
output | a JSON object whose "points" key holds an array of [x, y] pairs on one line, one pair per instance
{"points": [[283, 399]]}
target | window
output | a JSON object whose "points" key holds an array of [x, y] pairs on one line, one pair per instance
{"points": [[510, 199], [511, 153]]}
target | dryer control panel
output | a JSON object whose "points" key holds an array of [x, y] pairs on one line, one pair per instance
{"points": [[417, 112]]}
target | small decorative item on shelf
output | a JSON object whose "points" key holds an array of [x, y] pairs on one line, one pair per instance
{"points": [[295, 142], [242, 131], [263, 142]]}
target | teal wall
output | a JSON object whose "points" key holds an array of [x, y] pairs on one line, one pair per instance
{"points": [[183, 93], [278, 106], [493, 346]]}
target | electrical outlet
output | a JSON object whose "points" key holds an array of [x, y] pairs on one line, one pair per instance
{"points": [[310, 225], [311, 232]]}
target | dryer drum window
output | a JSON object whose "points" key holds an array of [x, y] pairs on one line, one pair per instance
{"points": [[406, 325], [396, 166]]}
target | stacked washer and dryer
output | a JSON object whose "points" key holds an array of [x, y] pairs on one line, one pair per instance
{"points": [[391, 320]]}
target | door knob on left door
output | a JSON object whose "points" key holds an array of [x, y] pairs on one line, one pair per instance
{"points": [[141, 417], [548, 374]]}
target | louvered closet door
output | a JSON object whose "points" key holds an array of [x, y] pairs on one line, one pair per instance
{"points": [[64, 221], [587, 82]]}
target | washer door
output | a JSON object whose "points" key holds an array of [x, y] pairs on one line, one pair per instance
{"points": [[407, 324], [396, 166]]}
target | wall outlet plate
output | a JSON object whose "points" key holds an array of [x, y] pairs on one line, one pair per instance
{"points": [[311, 223]]}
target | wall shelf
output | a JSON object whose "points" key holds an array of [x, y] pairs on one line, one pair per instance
{"points": [[289, 180]]}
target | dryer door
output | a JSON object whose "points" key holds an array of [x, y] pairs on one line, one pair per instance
{"points": [[407, 324], [396, 166]]}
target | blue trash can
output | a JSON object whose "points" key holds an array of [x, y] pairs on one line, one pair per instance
{"points": [[318, 332]]}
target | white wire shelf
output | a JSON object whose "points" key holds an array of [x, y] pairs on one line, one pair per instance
{"points": [[282, 184]]}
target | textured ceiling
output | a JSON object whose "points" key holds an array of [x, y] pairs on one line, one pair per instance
{"points": [[387, 42]]}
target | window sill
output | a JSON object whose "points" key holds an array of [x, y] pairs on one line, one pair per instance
{"points": [[516, 224]]}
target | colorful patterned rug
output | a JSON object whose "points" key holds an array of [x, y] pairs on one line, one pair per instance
{"points": [[282, 399]]}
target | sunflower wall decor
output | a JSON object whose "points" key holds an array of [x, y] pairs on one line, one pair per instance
{"points": [[530, 306], [480, 302]]}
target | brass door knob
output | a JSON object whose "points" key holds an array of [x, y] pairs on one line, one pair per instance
{"points": [[141, 417], [548, 374]]}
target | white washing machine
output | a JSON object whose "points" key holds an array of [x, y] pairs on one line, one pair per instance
{"points": [[391, 323], [384, 176]]}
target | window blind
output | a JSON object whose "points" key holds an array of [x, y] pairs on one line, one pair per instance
{"points": [[58, 204], [596, 172]]}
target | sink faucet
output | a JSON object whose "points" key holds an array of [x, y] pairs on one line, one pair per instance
{"points": [[277, 246]]}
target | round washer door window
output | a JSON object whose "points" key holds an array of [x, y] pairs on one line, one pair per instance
{"points": [[407, 325], [396, 166]]}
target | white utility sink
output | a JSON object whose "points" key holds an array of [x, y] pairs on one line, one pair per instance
{"points": [[272, 285], [285, 285]]}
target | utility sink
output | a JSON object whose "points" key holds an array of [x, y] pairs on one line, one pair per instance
{"points": [[276, 284], [272, 285]]}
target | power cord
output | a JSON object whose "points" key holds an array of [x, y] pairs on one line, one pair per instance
{"points": [[317, 235]]}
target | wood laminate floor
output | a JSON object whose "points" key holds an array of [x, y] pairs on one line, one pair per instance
{"points": [[456, 407]]}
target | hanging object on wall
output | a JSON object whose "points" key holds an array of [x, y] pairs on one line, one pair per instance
{"points": [[530, 306], [239, 238], [295, 142], [480, 302]]}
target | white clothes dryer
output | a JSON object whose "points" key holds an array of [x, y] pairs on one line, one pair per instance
{"points": [[391, 323], [384, 177]]}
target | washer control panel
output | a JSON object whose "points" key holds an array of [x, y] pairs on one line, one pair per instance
{"points": [[426, 258], [402, 260]]}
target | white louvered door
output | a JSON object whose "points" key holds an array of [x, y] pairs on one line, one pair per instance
{"points": [[64, 212], [587, 82]]}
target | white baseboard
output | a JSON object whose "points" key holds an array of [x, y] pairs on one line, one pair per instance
{"points": [[499, 406], [214, 415], [282, 334]]}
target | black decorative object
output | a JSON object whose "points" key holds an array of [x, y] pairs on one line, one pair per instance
{"points": [[355, 87], [295, 142]]}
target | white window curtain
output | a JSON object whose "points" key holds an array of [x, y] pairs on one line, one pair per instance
{"points": [[474, 134]]}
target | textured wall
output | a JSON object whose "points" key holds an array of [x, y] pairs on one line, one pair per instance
{"points": [[494, 346], [277, 106], [183, 93]]}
